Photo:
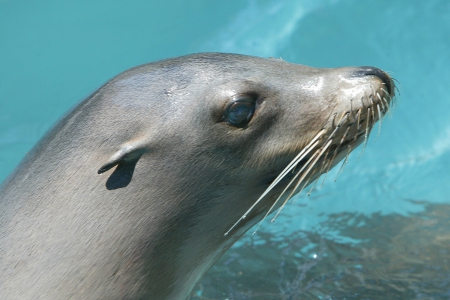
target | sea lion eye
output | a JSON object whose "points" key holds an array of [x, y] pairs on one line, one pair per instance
{"points": [[240, 111]]}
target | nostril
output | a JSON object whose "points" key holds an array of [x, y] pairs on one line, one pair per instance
{"points": [[364, 71]]}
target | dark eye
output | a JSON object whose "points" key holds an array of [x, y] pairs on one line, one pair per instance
{"points": [[240, 111]]}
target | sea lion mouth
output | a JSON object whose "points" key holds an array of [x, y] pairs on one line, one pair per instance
{"points": [[342, 133]]}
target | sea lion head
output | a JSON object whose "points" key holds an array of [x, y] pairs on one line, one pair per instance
{"points": [[191, 152], [230, 124]]}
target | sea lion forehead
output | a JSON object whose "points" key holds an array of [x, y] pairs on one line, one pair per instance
{"points": [[235, 64], [206, 69]]}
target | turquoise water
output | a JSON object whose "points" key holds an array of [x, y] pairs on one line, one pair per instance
{"points": [[380, 232]]}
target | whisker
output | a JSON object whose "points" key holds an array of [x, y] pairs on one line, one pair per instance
{"points": [[286, 170], [325, 158], [358, 120], [383, 109], [344, 162], [362, 102], [284, 191], [357, 126], [336, 151], [351, 107], [315, 182], [378, 95], [366, 133], [306, 180], [332, 159], [322, 150], [344, 136], [395, 86], [295, 177], [382, 104], [292, 165], [340, 119], [337, 127], [326, 172], [295, 161], [388, 111], [325, 164], [379, 121], [373, 112]]}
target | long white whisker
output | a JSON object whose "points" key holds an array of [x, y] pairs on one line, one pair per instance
{"points": [[315, 182], [325, 165], [356, 135], [291, 166], [336, 151], [358, 120], [366, 133], [326, 172], [306, 179], [344, 163], [351, 107], [286, 170], [382, 104], [378, 95], [379, 121], [344, 136], [337, 127], [373, 114], [388, 109], [295, 161], [344, 113], [362, 102], [325, 159], [285, 189], [301, 179]]}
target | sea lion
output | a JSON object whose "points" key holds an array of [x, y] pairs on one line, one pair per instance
{"points": [[141, 187]]}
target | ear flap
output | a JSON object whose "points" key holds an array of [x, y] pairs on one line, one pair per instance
{"points": [[129, 152]]}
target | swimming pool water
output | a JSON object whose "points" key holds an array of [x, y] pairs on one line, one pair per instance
{"points": [[380, 232]]}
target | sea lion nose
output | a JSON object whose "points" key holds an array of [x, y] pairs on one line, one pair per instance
{"points": [[363, 71]]}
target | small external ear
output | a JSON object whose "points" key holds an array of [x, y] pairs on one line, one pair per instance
{"points": [[127, 153]]}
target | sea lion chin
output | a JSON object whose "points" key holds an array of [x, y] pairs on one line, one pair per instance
{"points": [[191, 152]]}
